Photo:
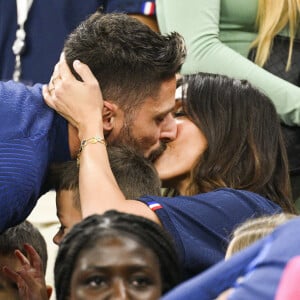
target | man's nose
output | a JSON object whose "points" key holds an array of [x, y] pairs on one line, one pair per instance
{"points": [[168, 129]]}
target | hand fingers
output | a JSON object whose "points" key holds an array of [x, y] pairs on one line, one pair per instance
{"points": [[63, 69], [62, 57], [84, 72], [31, 276], [13, 276], [56, 72], [48, 98], [34, 258], [22, 258], [54, 76], [18, 280], [50, 101], [30, 280]]}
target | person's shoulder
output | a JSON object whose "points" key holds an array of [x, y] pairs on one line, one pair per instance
{"points": [[289, 228], [23, 112], [235, 193], [226, 193], [246, 196], [222, 198], [238, 198], [12, 88], [17, 98], [219, 194]]}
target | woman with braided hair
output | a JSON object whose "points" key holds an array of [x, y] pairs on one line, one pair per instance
{"points": [[114, 254]]}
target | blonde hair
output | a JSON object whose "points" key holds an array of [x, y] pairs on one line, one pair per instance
{"points": [[272, 17], [254, 229]]}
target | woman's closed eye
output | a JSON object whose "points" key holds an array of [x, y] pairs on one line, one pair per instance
{"points": [[179, 113], [179, 110]]}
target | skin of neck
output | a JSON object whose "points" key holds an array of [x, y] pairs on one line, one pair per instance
{"points": [[182, 186]]}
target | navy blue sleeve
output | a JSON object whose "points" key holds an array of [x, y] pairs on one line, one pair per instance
{"points": [[32, 135], [254, 273], [21, 175], [201, 225], [209, 284], [262, 276]]}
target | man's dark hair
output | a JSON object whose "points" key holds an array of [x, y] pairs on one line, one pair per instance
{"points": [[129, 60], [85, 235], [135, 175], [25, 233]]}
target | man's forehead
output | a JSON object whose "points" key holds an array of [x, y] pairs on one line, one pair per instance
{"points": [[158, 107], [164, 102]]}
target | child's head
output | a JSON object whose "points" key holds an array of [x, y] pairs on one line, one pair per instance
{"points": [[14, 239], [64, 178], [135, 175], [254, 229], [116, 253]]}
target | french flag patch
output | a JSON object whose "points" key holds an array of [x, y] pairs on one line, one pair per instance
{"points": [[154, 206], [148, 8]]}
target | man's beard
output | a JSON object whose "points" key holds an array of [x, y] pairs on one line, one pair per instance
{"points": [[126, 138]]}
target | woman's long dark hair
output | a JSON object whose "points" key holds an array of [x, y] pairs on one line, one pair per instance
{"points": [[245, 144]]}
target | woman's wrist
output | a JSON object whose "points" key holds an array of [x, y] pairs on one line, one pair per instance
{"points": [[85, 142], [90, 130]]}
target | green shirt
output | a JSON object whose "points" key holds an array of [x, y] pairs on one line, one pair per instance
{"points": [[218, 35]]}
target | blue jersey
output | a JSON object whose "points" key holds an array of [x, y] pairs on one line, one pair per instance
{"points": [[201, 225], [260, 266], [32, 136]]}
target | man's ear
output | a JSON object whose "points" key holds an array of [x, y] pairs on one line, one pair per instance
{"points": [[108, 115]]}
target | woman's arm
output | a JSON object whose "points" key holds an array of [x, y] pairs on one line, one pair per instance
{"points": [[81, 104], [198, 22]]}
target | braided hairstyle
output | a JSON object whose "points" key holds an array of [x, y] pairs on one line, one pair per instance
{"points": [[86, 233]]}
